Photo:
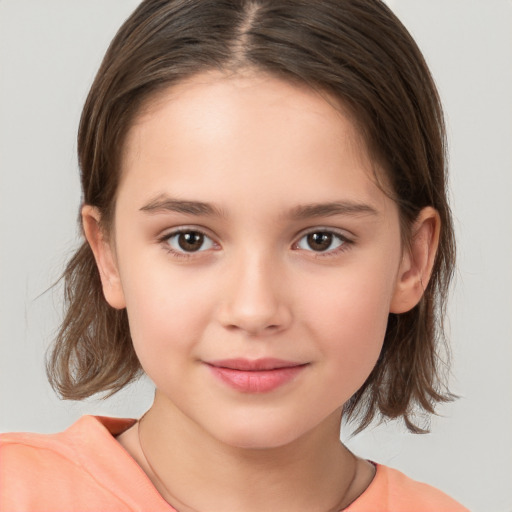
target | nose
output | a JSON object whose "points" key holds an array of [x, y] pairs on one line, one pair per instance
{"points": [[253, 298]]}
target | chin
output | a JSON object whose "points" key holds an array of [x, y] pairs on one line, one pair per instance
{"points": [[258, 435]]}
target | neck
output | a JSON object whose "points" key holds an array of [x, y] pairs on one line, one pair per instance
{"points": [[195, 472]]}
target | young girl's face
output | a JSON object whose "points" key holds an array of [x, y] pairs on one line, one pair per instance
{"points": [[256, 257]]}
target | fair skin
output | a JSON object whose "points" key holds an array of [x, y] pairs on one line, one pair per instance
{"points": [[287, 251]]}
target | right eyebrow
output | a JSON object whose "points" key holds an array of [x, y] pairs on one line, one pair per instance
{"points": [[330, 209], [162, 204]]}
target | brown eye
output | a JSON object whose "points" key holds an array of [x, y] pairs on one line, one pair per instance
{"points": [[189, 241], [321, 241]]}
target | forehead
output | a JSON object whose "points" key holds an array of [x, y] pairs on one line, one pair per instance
{"points": [[243, 133]]}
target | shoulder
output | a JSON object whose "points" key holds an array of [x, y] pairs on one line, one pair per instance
{"points": [[392, 491], [82, 465], [75, 447], [34, 468]]}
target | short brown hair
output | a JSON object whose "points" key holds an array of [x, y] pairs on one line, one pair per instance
{"points": [[355, 50]]}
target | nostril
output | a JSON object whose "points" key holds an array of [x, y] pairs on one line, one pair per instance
{"points": [[254, 330], [253, 311]]}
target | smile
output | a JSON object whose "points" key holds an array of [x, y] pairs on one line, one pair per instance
{"points": [[255, 376]]}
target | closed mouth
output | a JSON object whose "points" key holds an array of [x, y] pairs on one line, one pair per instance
{"points": [[255, 376], [254, 365]]}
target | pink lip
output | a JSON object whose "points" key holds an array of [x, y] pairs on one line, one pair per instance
{"points": [[255, 376]]}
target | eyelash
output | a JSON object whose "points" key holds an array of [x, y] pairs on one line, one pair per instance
{"points": [[165, 241], [345, 242]]}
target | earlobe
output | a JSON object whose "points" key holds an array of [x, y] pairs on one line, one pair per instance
{"points": [[417, 262], [104, 256]]}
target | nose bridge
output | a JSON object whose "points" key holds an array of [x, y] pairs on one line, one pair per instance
{"points": [[255, 300]]}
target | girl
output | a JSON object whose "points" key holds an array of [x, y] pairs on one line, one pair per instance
{"points": [[268, 238]]}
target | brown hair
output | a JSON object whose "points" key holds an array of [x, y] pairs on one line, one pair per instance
{"points": [[355, 50]]}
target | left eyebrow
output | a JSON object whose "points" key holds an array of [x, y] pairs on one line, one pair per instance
{"points": [[350, 208], [164, 203]]}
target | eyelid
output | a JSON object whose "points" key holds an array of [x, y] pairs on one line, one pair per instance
{"points": [[347, 240], [185, 228], [168, 234], [342, 233]]}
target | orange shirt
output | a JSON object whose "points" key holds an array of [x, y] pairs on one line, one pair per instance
{"points": [[85, 469]]}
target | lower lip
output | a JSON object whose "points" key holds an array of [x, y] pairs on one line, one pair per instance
{"points": [[260, 381]]}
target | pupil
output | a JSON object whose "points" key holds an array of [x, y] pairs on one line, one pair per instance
{"points": [[190, 241], [320, 241]]}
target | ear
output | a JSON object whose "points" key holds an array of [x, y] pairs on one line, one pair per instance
{"points": [[104, 256], [417, 261]]}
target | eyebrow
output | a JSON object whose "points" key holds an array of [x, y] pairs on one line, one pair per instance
{"points": [[163, 204], [351, 208]]}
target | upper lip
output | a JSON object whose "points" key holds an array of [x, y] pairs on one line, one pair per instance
{"points": [[254, 365]]}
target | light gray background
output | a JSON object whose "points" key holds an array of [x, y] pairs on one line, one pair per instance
{"points": [[49, 53]]}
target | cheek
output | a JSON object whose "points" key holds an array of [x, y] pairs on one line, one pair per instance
{"points": [[165, 311], [349, 317]]}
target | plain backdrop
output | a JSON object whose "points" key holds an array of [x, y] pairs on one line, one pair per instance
{"points": [[49, 53]]}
